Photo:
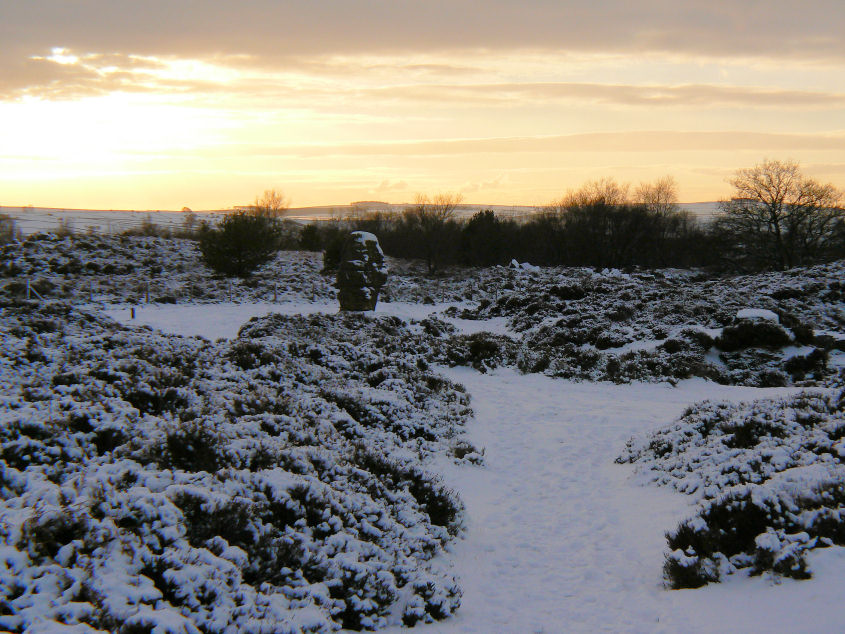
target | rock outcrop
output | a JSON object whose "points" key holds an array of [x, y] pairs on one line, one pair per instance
{"points": [[362, 272]]}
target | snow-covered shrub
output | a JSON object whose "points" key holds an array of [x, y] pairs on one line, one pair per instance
{"points": [[272, 483], [814, 363], [770, 476], [483, 351], [759, 528], [663, 325], [127, 269]]}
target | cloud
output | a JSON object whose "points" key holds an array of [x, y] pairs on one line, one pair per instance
{"points": [[640, 141], [474, 187], [391, 186], [68, 74], [693, 95], [266, 29]]}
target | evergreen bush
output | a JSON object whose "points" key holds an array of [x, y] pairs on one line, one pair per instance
{"points": [[241, 243]]}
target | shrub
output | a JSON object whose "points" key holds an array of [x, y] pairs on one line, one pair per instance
{"points": [[45, 532], [801, 365], [248, 355], [752, 334], [772, 378], [483, 351], [309, 239], [240, 243], [193, 447], [763, 532], [568, 292], [332, 253], [149, 229]]}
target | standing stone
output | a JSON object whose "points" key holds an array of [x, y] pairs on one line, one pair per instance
{"points": [[362, 272]]}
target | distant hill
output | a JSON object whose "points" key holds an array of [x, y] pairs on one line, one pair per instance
{"points": [[33, 219]]}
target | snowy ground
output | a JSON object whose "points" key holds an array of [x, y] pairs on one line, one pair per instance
{"points": [[560, 538], [213, 321]]}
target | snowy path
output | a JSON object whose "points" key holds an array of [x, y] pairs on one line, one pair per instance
{"points": [[560, 540]]}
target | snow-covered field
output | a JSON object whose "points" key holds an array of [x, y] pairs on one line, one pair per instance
{"points": [[544, 508]]}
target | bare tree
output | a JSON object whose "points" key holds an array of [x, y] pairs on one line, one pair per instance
{"points": [[605, 191], [429, 217], [660, 197], [272, 203], [778, 217], [189, 223]]}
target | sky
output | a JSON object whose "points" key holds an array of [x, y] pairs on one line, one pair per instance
{"points": [[161, 104]]}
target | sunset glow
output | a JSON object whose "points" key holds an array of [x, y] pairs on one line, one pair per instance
{"points": [[115, 105]]}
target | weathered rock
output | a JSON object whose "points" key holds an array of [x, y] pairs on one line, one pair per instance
{"points": [[362, 272]]}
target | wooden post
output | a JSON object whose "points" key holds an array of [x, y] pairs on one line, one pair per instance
{"points": [[133, 312], [274, 292], [27, 289], [148, 293]]}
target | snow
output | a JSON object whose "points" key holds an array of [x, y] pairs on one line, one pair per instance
{"points": [[223, 320], [363, 237], [758, 313], [524, 266]]}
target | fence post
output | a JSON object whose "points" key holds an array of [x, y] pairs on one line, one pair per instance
{"points": [[148, 293], [133, 312], [30, 291], [274, 292]]}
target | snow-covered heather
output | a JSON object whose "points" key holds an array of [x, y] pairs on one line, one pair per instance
{"points": [[272, 483], [770, 477], [670, 325], [332, 430], [572, 323]]}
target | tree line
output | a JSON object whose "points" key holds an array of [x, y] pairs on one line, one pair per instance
{"points": [[777, 219]]}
